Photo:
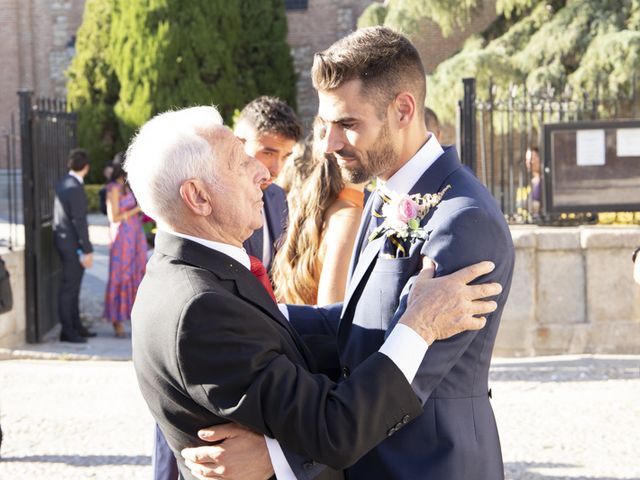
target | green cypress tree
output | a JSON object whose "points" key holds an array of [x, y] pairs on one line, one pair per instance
{"points": [[136, 58], [168, 54], [92, 87], [264, 60]]}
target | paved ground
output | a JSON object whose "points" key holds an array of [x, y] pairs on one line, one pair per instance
{"points": [[559, 418], [571, 417]]}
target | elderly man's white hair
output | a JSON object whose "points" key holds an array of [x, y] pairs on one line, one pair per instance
{"points": [[167, 150]]}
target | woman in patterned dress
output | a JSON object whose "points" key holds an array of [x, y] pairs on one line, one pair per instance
{"points": [[127, 253]]}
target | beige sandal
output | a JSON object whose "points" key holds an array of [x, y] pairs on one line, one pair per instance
{"points": [[118, 327]]}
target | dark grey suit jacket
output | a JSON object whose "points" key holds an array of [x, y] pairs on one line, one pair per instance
{"points": [[70, 216], [217, 349], [456, 436], [276, 213]]}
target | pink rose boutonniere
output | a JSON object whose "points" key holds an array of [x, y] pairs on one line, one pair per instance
{"points": [[402, 215]]}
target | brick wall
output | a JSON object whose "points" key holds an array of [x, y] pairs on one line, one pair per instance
{"points": [[434, 47], [313, 30], [9, 68], [34, 50]]}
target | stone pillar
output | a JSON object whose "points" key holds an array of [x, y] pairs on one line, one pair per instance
{"points": [[13, 324]]}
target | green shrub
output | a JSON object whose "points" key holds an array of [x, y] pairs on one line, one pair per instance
{"points": [[93, 197]]}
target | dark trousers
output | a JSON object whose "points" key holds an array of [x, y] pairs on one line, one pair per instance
{"points": [[163, 462], [69, 293]]}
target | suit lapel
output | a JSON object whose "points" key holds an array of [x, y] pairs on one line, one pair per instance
{"points": [[270, 214], [431, 181], [226, 268], [357, 248], [369, 254]]}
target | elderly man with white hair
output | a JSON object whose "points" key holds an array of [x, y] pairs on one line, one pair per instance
{"points": [[210, 345]]}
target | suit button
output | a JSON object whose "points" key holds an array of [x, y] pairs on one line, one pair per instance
{"points": [[308, 465], [345, 372], [406, 419], [391, 431], [490, 394]]}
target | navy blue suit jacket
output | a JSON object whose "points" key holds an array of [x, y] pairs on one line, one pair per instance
{"points": [[456, 435], [276, 211]]}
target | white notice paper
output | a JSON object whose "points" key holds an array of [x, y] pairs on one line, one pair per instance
{"points": [[628, 142], [590, 147]]}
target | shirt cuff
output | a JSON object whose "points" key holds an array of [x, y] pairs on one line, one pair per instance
{"points": [[279, 462], [284, 310], [406, 349]]}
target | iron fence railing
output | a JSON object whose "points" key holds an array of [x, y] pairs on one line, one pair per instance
{"points": [[495, 128]]}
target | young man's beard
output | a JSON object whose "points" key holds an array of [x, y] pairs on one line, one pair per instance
{"points": [[380, 158]]}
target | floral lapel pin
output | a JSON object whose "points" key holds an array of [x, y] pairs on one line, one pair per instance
{"points": [[402, 215]]}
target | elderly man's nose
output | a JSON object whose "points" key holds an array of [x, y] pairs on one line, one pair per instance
{"points": [[263, 172]]}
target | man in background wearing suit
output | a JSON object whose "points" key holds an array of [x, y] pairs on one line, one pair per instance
{"points": [[71, 237], [218, 349], [269, 129], [371, 88]]}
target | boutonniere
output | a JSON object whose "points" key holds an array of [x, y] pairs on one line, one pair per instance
{"points": [[402, 215]]}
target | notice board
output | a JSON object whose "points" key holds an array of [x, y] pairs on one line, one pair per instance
{"points": [[592, 166]]}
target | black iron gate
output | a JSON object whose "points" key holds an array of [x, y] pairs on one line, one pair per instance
{"points": [[495, 127], [48, 133]]}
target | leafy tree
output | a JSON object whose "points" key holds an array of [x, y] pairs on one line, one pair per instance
{"points": [[579, 46], [92, 87], [264, 60]]}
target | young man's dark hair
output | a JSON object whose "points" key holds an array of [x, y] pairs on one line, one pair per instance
{"points": [[385, 61], [78, 159], [271, 115]]}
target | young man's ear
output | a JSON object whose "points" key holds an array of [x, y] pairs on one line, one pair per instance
{"points": [[405, 108]]}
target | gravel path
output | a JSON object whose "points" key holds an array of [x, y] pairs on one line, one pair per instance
{"points": [[73, 420], [559, 417]]}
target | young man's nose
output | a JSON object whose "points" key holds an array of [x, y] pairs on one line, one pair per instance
{"points": [[333, 140]]}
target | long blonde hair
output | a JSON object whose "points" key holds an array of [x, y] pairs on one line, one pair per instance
{"points": [[295, 269]]}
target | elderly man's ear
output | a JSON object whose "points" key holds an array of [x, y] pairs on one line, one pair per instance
{"points": [[196, 197]]}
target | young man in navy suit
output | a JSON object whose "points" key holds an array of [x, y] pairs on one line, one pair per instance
{"points": [[71, 239], [269, 129], [371, 87]]}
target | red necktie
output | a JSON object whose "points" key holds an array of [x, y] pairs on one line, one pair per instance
{"points": [[258, 270]]}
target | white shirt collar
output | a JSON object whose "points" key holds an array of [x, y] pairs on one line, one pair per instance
{"points": [[404, 179], [76, 176], [237, 253]]}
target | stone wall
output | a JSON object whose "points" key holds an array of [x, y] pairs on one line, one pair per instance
{"points": [[572, 292], [13, 324]]}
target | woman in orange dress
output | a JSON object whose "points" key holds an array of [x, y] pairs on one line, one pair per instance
{"points": [[312, 263]]}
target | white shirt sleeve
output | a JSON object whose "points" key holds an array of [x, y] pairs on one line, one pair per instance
{"points": [[406, 349], [403, 346], [279, 462]]}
